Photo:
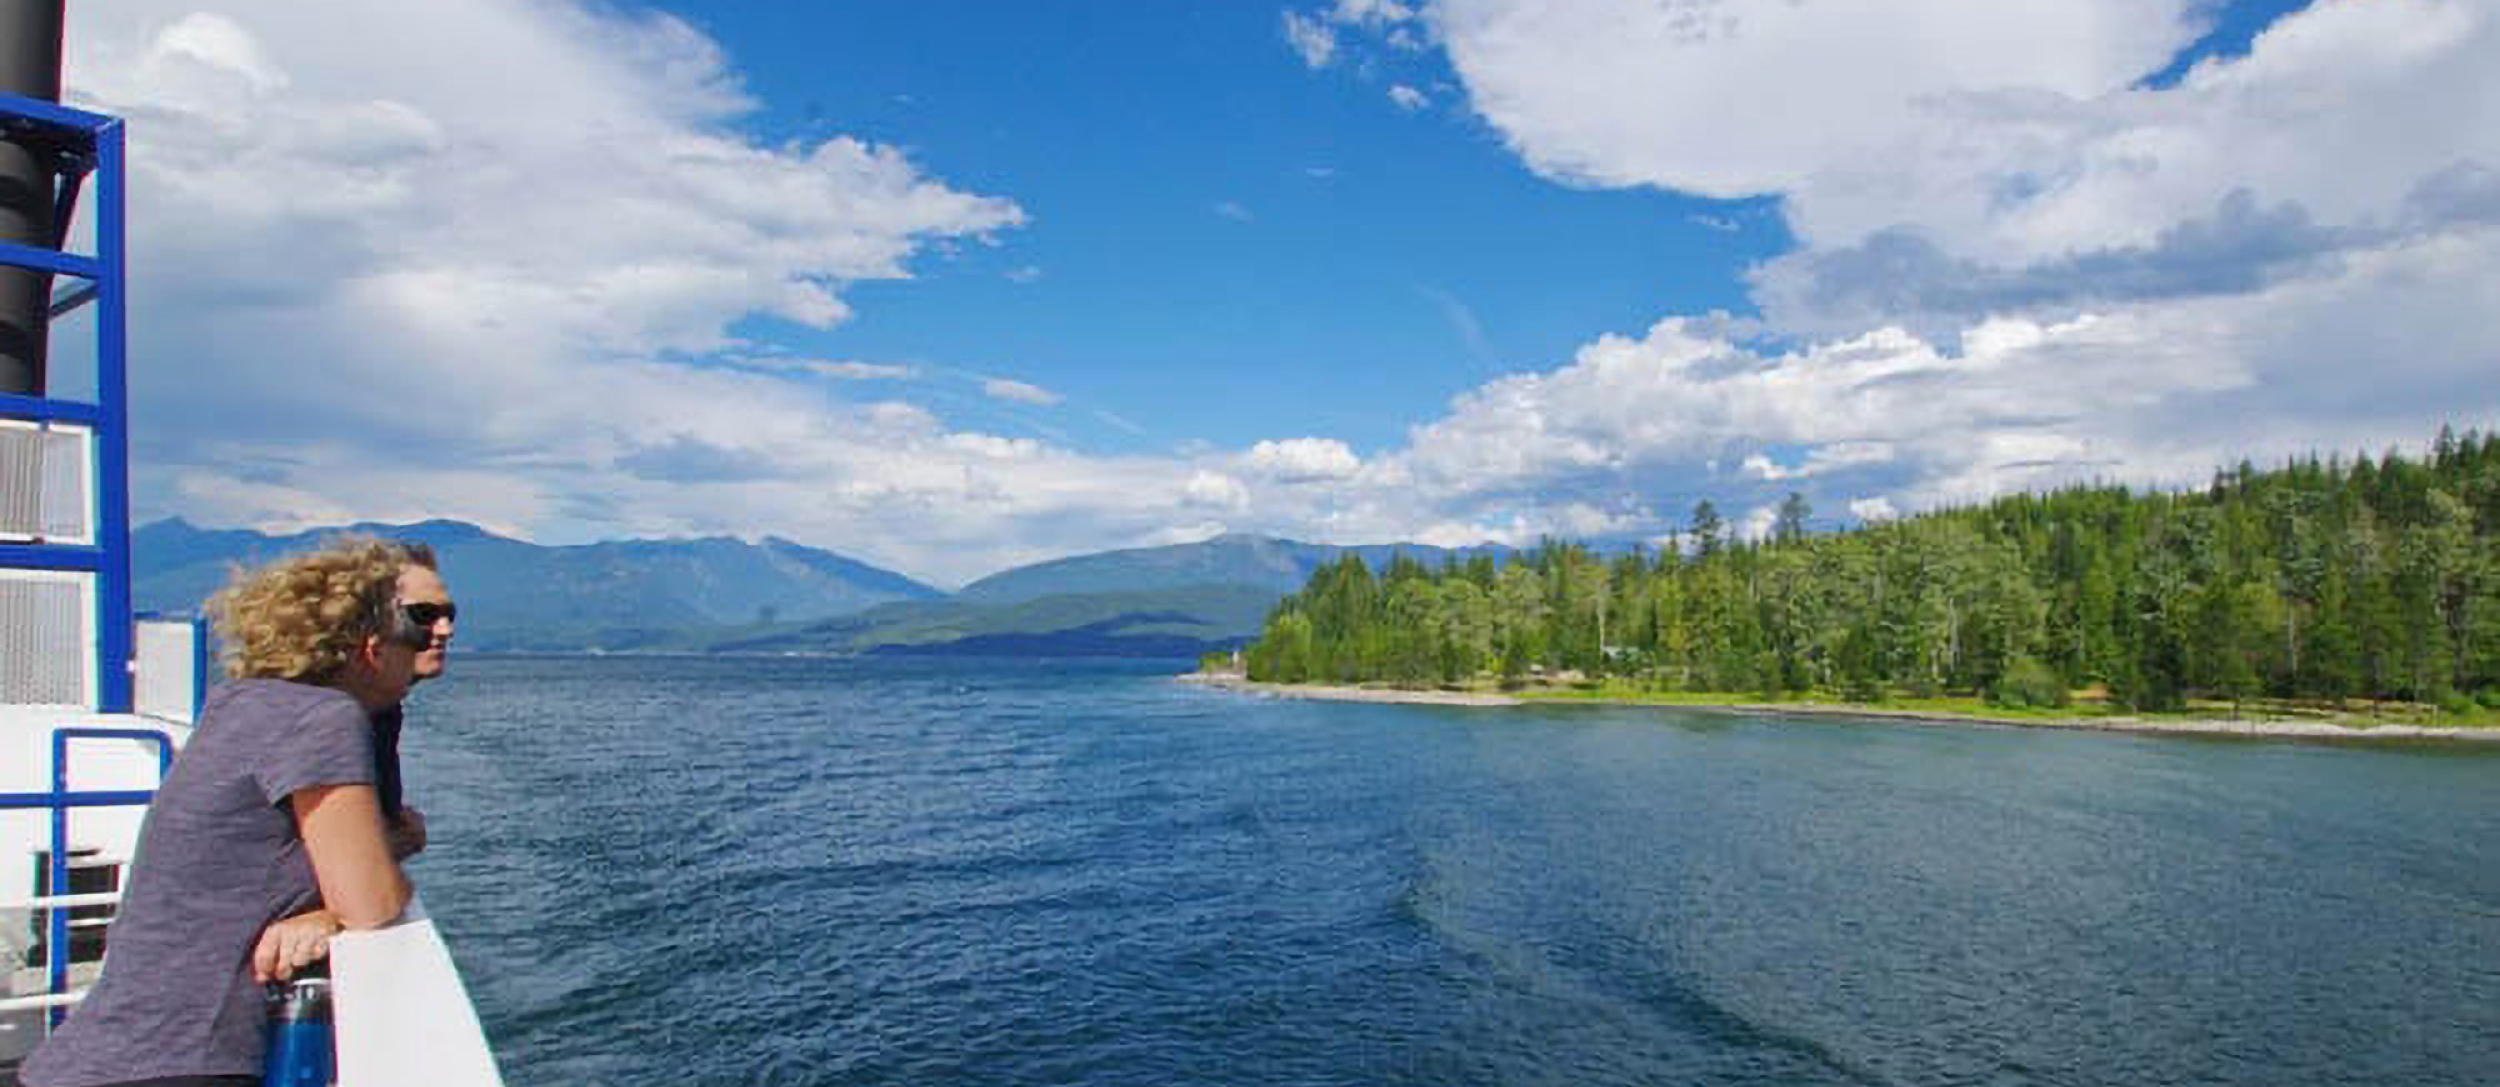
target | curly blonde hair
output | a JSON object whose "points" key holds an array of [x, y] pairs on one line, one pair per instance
{"points": [[302, 617]]}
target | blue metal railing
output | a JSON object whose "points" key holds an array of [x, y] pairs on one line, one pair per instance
{"points": [[90, 144], [59, 801]]}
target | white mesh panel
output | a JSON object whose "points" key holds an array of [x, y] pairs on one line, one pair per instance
{"points": [[47, 654], [68, 501], [21, 480], [46, 489], [167, 675]]}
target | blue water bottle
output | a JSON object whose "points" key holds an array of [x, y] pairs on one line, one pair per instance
{"points": [[300, 1052]]}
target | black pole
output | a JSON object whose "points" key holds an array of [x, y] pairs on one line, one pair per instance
{"points": [[30, 65]]}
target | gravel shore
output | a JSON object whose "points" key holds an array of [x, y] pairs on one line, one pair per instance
{"points": [[2183, 726], [1352, 694]]}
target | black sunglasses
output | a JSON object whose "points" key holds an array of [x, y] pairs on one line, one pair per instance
{"points": [[427, 614]]}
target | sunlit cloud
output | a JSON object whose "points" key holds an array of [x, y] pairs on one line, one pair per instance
{"points": [[2018, 265], [1303, 460]]}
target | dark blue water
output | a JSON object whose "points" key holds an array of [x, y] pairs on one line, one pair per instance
{"points": [[691, 871]]}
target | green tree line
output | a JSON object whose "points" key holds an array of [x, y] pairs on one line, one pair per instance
{"points": [[2321, 579]]}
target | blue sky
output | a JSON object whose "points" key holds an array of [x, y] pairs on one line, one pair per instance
{"points": [[1217, 231], [954, 286]]}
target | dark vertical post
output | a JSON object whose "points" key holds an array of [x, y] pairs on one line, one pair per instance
{"points": [[30, 65]]}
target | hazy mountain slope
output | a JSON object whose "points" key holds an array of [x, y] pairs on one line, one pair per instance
{"points": [[1236, 559], [519, 595]]}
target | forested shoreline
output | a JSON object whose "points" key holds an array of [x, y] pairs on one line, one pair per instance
{"points": [[2322, 580]]}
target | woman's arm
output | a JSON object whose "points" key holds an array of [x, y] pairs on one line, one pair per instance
{"points": [[361, 885]]}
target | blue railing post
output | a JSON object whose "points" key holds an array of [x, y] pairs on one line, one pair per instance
{"points": [[56, 919], [112, 445], [60, 800]]}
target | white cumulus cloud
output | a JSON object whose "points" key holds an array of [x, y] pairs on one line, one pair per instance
{"points": [[2018, 263], [1634, 92], [1303, 460], [482, 258], [1216, 490]]}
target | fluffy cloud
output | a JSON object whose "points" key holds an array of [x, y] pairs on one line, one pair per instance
{"points": [[1618, 92], [2007, 153], [323, 158], [372, 287], [1303, 460], [1217, 491], [1819, 461], [2160, 392], [2018, 264]]}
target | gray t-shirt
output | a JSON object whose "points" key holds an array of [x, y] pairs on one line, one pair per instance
{"points": [[218, 860]]}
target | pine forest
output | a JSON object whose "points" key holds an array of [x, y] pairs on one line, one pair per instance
{"points": [[2320, 581]]}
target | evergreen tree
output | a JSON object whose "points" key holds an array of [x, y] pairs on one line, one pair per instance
{"points": [[1706, 529], [1790, 526]]}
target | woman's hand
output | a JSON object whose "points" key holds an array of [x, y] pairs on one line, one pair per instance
{"points": [[292, 943]]}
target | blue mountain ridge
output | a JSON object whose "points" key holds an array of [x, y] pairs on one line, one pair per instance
{"points": [[1230, 559], [724, 594], [520, 595]]}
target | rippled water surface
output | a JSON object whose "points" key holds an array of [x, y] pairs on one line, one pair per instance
{"points": [[719, 871]]}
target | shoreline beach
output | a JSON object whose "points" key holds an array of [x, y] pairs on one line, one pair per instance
{"points": [[2184, 726]]}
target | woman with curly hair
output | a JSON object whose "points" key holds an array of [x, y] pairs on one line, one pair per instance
{"points": [[279, 825]]}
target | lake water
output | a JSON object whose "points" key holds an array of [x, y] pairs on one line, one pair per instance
{"points": [[746, 871]]}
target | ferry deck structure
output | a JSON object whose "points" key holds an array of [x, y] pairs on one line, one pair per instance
{"points": [[94, 700]]}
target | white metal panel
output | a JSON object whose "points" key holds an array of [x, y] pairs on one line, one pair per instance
{"points": [[168, 668], [401, 1014], [47, 482], [69, 504], [47, 645], [21, 480]]}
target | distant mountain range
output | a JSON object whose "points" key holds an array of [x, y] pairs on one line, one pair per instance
{"points": [[721, 594], [1232, 559], [628, 594]]}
